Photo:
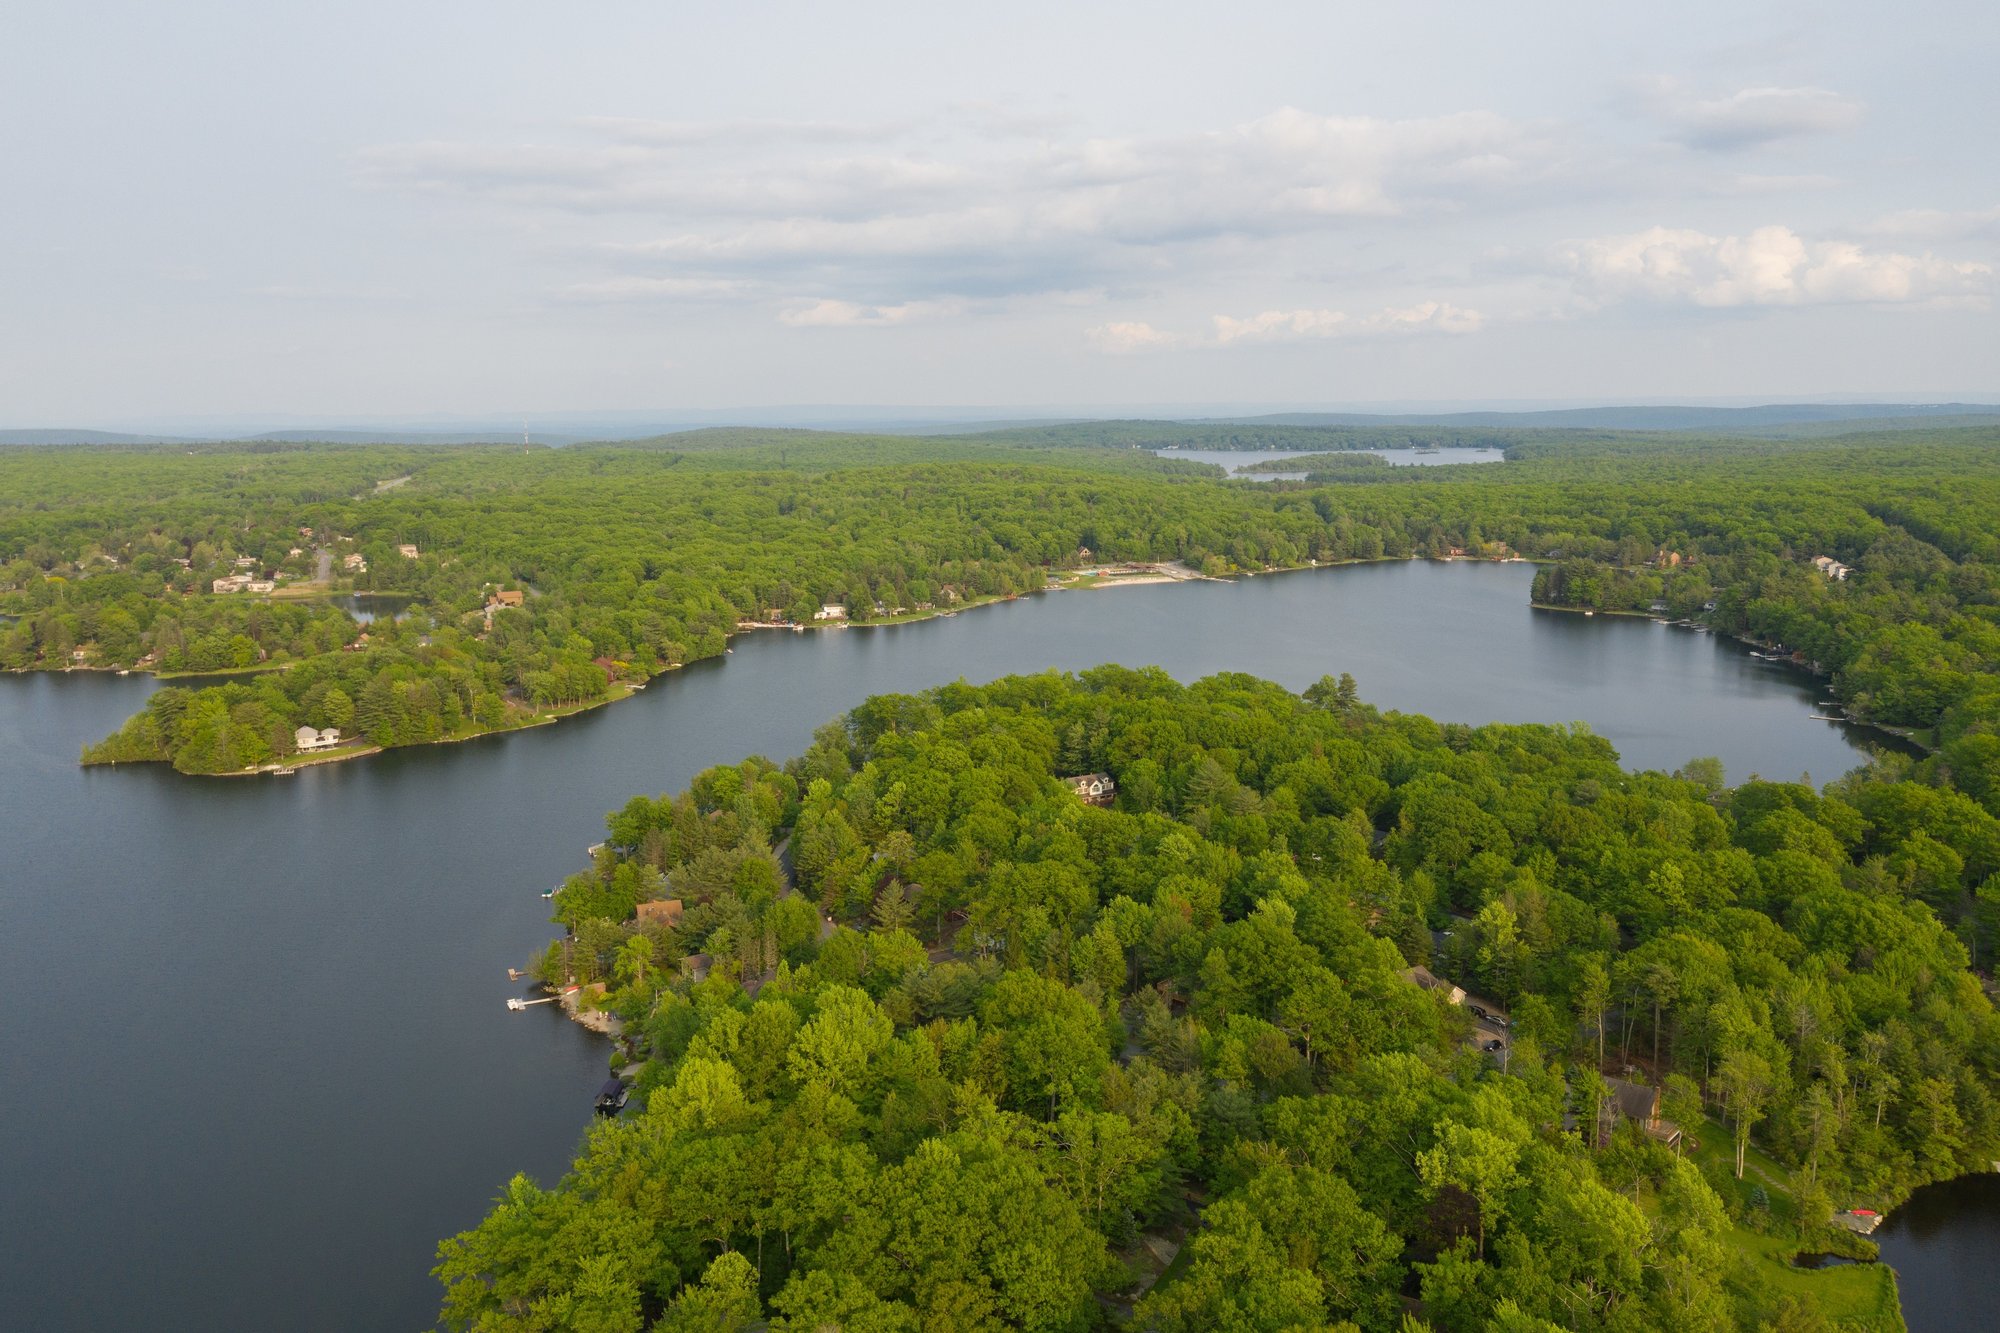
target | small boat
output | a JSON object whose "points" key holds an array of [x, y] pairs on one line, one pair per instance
{"points": [[612, 1096]]}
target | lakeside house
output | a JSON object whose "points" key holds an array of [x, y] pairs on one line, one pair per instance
{"points": [[231, 583], [662, 911], [354, 561], [1423, 977], [1092, 788], [1641, 1105], [1832, 568], [309, 739], [831, 611]]}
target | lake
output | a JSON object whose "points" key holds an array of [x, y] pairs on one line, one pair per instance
{"points": [[369, 607], [1943, 1244], [257, 1056], [1234, 459]]}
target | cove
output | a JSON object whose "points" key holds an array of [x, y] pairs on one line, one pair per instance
{"points": [[1943, 1243], [257, 1056]]}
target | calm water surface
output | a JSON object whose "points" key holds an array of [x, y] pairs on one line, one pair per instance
{"points": [[257, 1060], [1234, 460], [369, 607], [1944, 1245]]}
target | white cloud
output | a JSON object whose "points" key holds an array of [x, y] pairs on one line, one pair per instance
{"points": [[1293, 325], [1755, 116], [1769, 266], [632, 287], [833, 314], [1275, 326], [1934, 224], [903, 212], [1132, 336], [1279, 325]]}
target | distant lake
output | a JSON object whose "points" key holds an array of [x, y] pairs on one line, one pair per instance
{"points": [[257, 1061], [1236, 459]]}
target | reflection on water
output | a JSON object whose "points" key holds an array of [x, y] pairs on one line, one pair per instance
{"points": [[1945, 1247], [1236, 460], [257, 1057], [369, 607]]}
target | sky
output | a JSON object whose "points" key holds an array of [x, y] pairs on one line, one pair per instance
{"points": [[282, 212]]}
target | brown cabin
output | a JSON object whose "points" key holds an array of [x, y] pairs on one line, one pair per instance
{"points": [[1422, 976], [661, 911], [1641, 1105]]}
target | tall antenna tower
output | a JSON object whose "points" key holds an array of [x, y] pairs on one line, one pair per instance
{"points": [[524, 435]]}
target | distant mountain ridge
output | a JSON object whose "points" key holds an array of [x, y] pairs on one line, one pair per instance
{"points": [[1647, 418], [1769, 419]]}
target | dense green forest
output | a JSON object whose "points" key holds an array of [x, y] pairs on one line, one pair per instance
{"points": [[632, 559], [932, 1043]]}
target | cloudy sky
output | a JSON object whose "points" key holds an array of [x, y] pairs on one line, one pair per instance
{"points": [[223, 210]]}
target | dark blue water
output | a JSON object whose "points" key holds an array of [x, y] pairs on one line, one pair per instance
{"points": [[257, 1058], [1944, 1244]]}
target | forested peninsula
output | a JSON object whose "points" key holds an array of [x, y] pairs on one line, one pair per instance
{"points": [[541, 581], [1324, 1019]]}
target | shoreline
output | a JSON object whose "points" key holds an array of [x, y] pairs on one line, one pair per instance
{"points": [[1083, 580], [1907, 735]]}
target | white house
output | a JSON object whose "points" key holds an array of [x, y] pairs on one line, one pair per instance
{"points": [[309, 739], [1093, 788], [407, 551], [231, 583], [1832, 568], [830, 612]]}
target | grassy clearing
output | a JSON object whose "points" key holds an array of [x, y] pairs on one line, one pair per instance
{"points": [[1860, 1296]]}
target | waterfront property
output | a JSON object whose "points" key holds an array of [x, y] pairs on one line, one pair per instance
{"points": [[311, 739], [661, 912]]}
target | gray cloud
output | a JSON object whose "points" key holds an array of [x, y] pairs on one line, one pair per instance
{"points": [[1753, 117], [869, 214]]}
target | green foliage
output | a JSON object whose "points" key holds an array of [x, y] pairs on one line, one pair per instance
{"points": [[1169, 1004]]}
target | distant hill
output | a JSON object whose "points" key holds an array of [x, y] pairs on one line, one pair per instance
{"points": [[1737, 420], [404, 437], [32, 436]]}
